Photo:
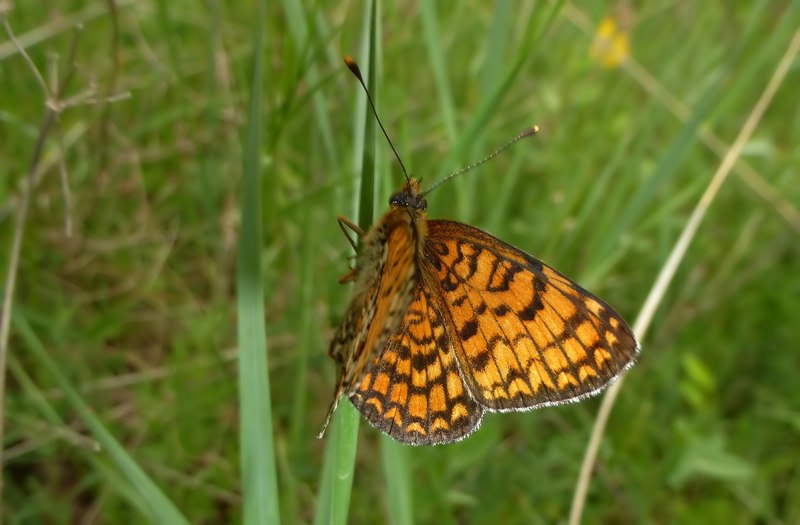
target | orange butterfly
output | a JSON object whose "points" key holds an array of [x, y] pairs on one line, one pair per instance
{"points": [[448, 322]]}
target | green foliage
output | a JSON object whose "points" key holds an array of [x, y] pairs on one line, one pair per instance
{"points": [[123, 400]]}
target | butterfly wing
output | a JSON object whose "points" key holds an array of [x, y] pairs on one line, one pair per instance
{"points": [[525, 335], [385, 277], [412, 390]]}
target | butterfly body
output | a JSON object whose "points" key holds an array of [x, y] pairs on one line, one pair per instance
{"points": [[384, 277], [447, 322]]}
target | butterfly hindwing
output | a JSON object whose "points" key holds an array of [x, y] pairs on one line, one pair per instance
{"points": [[412, 389], [525, 335]]}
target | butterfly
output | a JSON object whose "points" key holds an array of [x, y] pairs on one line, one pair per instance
{"points": [[448, 322]]}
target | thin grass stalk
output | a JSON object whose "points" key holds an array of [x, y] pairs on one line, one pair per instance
{"points": [[49, 122], [665, 276]]}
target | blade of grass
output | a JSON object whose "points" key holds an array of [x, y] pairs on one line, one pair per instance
{"points": [[311, 41], [340, 452], [309, 339], [112, 479], [497, 45], [394, 455], [298, 23], [160, 508], [667, 272], [436, 55], [257, 455], [395, 461], [366, 144], [49, 122], [605, 249], [477, 125], [66, 22], [337, 471], [210, 163]]}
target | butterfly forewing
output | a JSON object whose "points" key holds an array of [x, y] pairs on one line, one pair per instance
{"points": [[525, 335]]}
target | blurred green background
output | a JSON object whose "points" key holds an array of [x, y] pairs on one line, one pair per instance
{"points": [[125, 294]]}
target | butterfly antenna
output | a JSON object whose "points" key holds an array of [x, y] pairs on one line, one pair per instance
{"points": [[533, 130], [353, 67]]}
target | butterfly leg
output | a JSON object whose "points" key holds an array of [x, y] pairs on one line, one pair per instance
{"points": [[348, 277], [346, 224]]}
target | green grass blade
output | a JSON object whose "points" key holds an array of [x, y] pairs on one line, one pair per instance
{"points": [[259, 479], [337, 473], [395, 459], [366, 143], [112, 478], [394, 455], [310, 39], [436, 54], [340, 452], [159, 506], [312, 42]]}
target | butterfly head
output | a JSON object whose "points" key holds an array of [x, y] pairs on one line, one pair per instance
{"points": [[409, 197]]}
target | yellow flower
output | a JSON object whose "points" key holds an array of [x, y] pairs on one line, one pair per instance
{"points": [[611, 46]]}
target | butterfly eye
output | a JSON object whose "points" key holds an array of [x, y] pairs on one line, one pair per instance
{"points": [[399, 199], [404, 199]]}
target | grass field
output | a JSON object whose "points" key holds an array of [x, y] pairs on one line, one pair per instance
{"points": [[173, 252]]}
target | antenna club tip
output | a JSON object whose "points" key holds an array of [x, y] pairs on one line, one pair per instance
{"points": [[535, 129], [351, 64]]}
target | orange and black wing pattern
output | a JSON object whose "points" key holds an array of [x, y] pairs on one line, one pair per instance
{"points": [[413, 390], [384, 288], [524, 335], [447, 322]]}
